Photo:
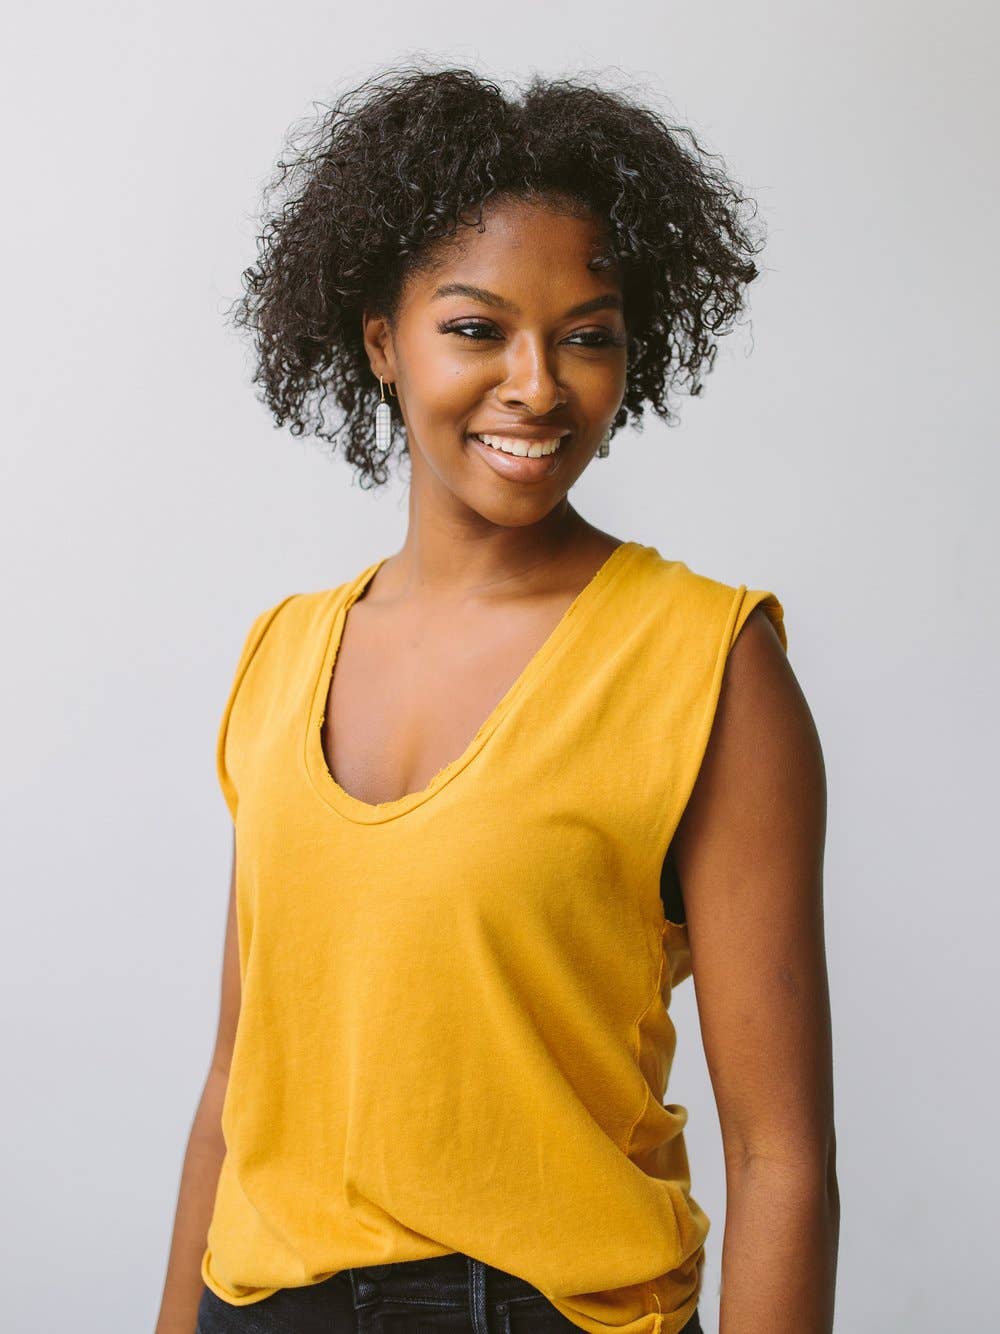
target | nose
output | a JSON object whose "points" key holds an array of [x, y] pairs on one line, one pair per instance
{"points": [[530, 384]]}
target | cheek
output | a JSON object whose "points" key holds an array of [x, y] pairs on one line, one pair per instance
{"points": [[600, 384], [451, 390]]}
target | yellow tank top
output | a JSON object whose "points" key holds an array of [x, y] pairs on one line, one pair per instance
{"points": [[454, 1031]]}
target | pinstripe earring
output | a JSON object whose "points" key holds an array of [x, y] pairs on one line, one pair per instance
{"points": [[604, 448], [383, 419]]}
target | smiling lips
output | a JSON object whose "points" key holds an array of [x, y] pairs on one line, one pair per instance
{"points": [[520, 447]]}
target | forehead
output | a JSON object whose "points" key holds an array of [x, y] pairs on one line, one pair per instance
{"points": [[529, 253]]}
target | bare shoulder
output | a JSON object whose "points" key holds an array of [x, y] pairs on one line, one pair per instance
{"points": [[764, 745], [749, 854]]}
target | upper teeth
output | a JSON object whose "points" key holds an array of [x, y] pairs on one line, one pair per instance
{"points": [[530, 449]]}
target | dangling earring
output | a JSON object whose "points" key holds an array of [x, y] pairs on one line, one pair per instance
{"points": [[383, 419], [604, 448]]}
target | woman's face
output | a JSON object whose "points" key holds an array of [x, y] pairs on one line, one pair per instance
{"points": [[511, 334]]}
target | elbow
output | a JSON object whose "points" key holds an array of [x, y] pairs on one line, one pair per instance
{"points": [[812, 1159]]}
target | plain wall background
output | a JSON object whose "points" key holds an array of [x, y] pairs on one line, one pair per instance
{"points": [[844, 454]]}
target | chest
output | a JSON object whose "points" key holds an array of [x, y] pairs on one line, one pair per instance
{"points": [[407, 695]]}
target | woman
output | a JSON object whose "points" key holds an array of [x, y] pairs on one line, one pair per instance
{"points": [[463, 889]]}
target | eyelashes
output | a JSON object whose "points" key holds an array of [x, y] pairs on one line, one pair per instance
{"points": [[595, 337]]}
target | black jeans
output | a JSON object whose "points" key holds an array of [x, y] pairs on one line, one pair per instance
{"points": [[441, 1293]]}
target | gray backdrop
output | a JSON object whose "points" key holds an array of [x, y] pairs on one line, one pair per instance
{"points": [[844, 455]]}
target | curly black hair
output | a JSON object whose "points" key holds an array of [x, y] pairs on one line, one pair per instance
{"points": [[375, 182]]}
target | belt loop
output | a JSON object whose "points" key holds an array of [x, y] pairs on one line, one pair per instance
{"points": [[477, 1296]]}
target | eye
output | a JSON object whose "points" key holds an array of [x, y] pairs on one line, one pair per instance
{"points": [[598, 337], [460, 329], [481, 331]]}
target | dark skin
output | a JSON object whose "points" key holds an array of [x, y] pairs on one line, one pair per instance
{"points": [[749, 853], [489, 565]]}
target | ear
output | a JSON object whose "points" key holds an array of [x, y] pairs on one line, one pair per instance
{"points": [[377, 337]]}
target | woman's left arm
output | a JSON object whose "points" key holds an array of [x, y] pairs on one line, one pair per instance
{"points": [[749, 854]]}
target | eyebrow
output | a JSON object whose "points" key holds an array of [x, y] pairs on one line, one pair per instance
{"points": [[607, 301]]}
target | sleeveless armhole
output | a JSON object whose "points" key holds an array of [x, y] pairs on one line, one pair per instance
{"points": [[758, 597], [250, 645], [675, 929], [745, 600]]}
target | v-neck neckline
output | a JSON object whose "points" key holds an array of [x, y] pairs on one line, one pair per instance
{"points": [[363, 812]]}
